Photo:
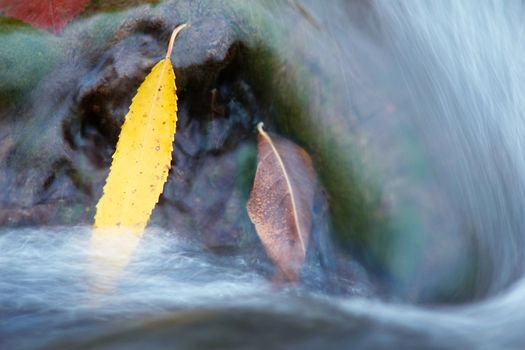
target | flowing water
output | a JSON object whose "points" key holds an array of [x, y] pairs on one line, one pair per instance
{"points": [[175, 293], [449, 152]]}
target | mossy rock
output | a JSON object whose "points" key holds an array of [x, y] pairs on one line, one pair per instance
{"points": [[240, 62]]}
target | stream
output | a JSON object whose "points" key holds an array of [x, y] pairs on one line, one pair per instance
{"points": [[413, 112]]}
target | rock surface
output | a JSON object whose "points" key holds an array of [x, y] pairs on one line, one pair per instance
{"points": [[322, 76], [58, 141]]}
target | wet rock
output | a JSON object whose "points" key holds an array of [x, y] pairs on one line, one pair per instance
{"points": [[57, 153], [234, 68]]}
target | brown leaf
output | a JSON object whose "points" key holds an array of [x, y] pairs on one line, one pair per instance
{"points": [[280, 204]]}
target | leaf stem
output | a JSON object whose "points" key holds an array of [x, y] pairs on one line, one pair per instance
{"points": [[172, 39]]}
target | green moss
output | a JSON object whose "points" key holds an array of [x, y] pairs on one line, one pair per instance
{"points": [[26, 55], [99, 6]]}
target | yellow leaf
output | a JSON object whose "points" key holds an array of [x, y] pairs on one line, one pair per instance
{"points": [[138, 172], [143, 155]]}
